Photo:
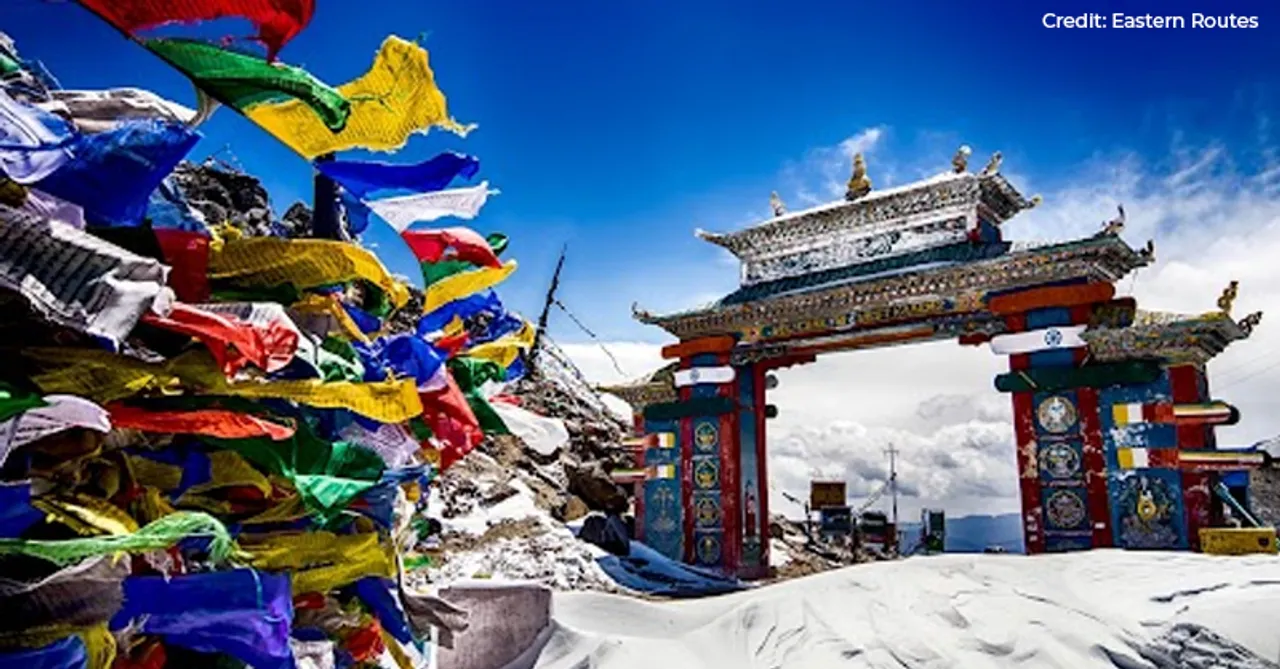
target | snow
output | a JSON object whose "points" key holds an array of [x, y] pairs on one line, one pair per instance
{"points": [[540, 549], [617, 407], [1132, 610]]}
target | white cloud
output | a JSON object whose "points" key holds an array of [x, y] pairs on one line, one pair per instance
{"points": [[935, 402]]}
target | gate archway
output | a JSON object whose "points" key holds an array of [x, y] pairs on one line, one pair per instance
{"points": [[1112, 414]]}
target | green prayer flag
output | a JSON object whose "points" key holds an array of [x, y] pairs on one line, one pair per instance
{"points": [[14, 401], [471, 374], [244, 81]]}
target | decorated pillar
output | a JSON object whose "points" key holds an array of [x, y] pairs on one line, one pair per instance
{"points": [[1059, 450]]}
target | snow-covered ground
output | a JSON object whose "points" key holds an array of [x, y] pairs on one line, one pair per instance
{"points": [[1098, 609], [514, 540]]}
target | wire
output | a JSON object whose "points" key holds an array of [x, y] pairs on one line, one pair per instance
{"points": [[591, 334], [1246, 377]]}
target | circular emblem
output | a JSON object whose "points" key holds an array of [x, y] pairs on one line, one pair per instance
{"points": [[708, 512], [1065, 510], [708, 549], [706, 474], [1053, 338], [1057, 414], [695, 375], [1060, 460], [706, 436]]}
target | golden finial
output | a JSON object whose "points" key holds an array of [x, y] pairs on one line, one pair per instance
{"points": [[1228, 297], [859, 184], [775, 203], [960, 161], [1035, 201], [993, 165]]}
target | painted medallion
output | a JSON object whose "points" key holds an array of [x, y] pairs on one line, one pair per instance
{"points": [[706, 436], [707, 510], [1065, 510], [1060, 460], [706, 474], [1056, 414], [709, 549]]}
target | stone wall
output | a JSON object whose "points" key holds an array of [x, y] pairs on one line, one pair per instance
{"points": [[1264, 493]]}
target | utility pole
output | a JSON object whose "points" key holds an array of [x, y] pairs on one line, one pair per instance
{"points": [[893, 480], [546, 310]]}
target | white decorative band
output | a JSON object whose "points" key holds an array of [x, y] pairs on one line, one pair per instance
{"points": [[696, 375], [1048, 339]]}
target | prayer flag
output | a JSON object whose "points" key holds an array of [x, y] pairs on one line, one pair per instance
{"points": [[405, 210], [396, 98]]}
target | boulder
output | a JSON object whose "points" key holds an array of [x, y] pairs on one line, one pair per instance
{"points": [[590, 482]]}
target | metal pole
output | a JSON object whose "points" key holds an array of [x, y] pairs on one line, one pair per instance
{"points": [[546, 309], [325, 222]]}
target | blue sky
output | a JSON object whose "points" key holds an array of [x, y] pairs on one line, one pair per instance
{"points": [[620, 127]]}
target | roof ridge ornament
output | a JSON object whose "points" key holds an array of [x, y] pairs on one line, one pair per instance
{"points": [[859, 184], [1115, 226], [960, 161], [993, 165], [1228, 298], [1248, 323], [776, 204]]}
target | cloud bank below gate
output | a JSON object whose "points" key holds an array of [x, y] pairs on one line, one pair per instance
{"points": [[1212, 222]]}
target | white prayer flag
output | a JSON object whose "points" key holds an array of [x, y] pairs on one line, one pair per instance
{"points": [[405, 210]]}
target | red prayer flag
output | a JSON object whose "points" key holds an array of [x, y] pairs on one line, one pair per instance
{"points": [[450, 417], [187, 253], [434, 246], [232, 342], [277, 21], [207, 422]]}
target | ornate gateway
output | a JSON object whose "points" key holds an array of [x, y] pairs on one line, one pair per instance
{"points": [[928, 261]]}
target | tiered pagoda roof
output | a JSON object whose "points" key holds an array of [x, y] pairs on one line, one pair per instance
{"points": [[1171, 337], [657, 388], [836, 266]]}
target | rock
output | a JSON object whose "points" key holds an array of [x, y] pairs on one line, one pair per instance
{"points": [[507, 449], [591, 483], [574, 508]]}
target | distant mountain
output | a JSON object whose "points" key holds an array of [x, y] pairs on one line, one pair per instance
{"points": [[973, 534]]}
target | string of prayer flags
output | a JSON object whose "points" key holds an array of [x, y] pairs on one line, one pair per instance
{"points": [[277, 21], [403, 211], [363, 179], [395, 99]]}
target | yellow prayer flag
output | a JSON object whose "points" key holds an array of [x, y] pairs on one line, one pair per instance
{"points": [[464, 284], [304, 263], [396, 98], [505, 350], [104, 377]]}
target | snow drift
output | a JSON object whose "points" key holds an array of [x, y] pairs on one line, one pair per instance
{"points": [[1097, 609]]}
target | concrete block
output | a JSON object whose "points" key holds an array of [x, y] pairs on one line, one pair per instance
{"points": [[506, 620]]}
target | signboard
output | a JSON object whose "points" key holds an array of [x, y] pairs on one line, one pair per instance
{"points": [[826, 493], [835, 520], [874, 527]]}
